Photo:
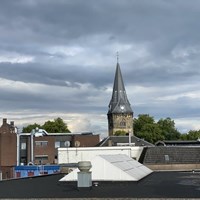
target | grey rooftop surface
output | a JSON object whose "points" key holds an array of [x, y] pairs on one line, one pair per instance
{"points": [[123, 139], [157, 185], [175, 154]]}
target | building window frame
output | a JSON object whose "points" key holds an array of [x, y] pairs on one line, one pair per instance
{"points": [[123, 123], [57, 144], [41, 143], [23, 146]]}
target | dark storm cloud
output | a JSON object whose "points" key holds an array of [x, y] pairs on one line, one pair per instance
{"points": [[50, 75]]}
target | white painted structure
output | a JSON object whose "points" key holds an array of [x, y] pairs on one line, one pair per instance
{"points": [[77, 154], [117, 167]]}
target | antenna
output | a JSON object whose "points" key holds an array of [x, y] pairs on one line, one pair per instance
{"points": [[117, 54], [77, 143]]}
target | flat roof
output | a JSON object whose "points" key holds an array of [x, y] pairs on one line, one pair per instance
{"points": [[61, 134], [157, 185]]}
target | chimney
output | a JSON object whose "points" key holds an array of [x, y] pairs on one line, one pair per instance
{"points": [[12, 123], [110, 142], [84, 176], [4, 121]]}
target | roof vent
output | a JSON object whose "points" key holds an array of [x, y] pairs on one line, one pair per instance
{"points": [[84, 176], [84, 166]]}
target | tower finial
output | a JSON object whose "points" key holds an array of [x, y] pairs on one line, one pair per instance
{"points": [[117, 54]]}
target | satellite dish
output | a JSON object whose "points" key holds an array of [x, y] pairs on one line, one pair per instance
{"points": [[67, 143], [77, 143]]}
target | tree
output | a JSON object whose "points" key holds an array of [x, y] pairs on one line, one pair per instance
{"points": [[184, 136], [120, 132], [30, 127], [150, 133], [56, 126], [142, 120], [145, 127], [191, 135], [168, 129]]}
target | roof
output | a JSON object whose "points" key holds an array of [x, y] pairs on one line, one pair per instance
{"points": [[178, 143], [64, 134], [157, 185], [119, 140], [172, 155], [119, 102], [113, 168]]}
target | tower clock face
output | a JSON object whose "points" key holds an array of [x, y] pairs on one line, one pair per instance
{"points": [[122, 107]]}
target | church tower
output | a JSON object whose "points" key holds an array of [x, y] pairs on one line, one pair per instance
{"points": [[120, 114]]}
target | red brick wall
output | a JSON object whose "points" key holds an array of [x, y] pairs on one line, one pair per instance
{"points": [[48, 149], [8, 146], [8, 149], [85, 140]]}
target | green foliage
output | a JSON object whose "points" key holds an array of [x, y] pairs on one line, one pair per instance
{"points": [[56, 126], [120, 132], [184, 136], [142, 120], [168, 129], [145, 127], [30, 127], [191, 135]]}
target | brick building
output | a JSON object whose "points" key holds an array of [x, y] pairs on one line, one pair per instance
{"points": [[39, 148], [8, 148], [43, 149]]}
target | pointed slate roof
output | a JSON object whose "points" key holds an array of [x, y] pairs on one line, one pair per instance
{"points": [[119, 102]]}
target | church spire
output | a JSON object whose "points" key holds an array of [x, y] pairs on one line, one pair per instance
{"points": [[119, 102], [120, 114]]}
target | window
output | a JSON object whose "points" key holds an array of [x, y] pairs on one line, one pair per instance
{"points": [[62, 144], [57, 144], [18, 174], [166, 158], [23, 146], [123, 123], [41, 157], [41, 143]]}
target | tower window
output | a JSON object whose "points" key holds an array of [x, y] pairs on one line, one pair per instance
{"points": [[122, 123]]}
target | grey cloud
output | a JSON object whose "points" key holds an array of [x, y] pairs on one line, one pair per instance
{"points": [[158, 43]]}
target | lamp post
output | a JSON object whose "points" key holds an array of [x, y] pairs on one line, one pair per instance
{"points": [[129, 137]]}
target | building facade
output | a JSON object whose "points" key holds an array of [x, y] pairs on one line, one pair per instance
{"points": [[8, 149], [42, 149], [39, 148], [120, 114]]}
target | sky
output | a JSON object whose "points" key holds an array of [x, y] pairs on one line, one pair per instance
{"points": [[58, 59]]}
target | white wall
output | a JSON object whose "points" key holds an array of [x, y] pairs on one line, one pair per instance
{"points": [[74, 155], [113, 168]]}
